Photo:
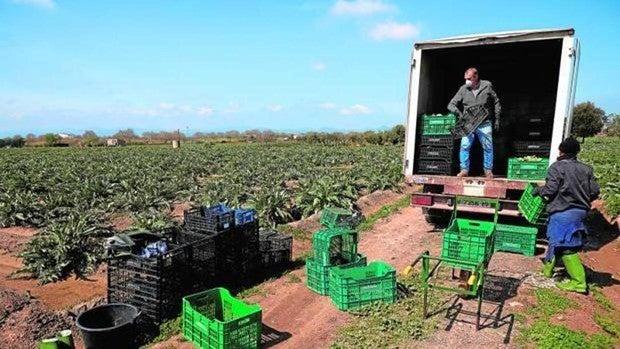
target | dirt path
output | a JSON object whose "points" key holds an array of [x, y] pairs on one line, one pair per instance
{"points": [[298, 318]]}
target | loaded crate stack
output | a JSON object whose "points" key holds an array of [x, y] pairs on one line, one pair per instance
{"points": [[276, 249], [437, 144], [338, 270], [236, 239], [152, 271], [531, 151]]}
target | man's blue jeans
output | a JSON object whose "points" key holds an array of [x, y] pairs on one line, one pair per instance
{"points": [[485, 136]]}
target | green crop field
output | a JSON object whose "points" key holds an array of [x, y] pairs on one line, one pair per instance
{"points": [[603, 154], [72, 193]]}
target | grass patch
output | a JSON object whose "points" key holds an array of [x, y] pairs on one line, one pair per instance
{"points": [[292, 278], [600, 298], [303, 256], [252, 291], [385, 211], [388, 325], [168, 329], [549, 303], [548, 336], [608, 324], [520, 318], [296, 233]]}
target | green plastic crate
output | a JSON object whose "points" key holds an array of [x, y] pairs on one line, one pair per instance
{"points": [[334, 246], [532, 207], [438, 124], [317, 275], [527, 169], [355, 287], [334, 217], [214, 319], [515, 238], [468, 240]]}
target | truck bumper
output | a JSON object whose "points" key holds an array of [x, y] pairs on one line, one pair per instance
{"points": [[447, 187]]}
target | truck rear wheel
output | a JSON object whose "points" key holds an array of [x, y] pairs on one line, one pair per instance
{"points": [[439, 218]]}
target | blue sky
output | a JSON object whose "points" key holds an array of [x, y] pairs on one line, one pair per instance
{"points": [[69, 66]]}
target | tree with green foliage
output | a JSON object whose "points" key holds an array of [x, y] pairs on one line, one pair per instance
{"points": [[613, 125], [588, 120], [51, 139]]}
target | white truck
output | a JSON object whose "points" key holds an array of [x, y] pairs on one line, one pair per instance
{"points": [[534, 73]]}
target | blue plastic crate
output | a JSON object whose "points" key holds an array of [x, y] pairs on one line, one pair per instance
{"points": [[243, 216]]}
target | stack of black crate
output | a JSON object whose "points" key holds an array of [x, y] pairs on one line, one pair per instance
{"points": [[532, 137], [534, 120], [275, 249], [436, 154], [236, 240], [436, 150], [156, 284]]}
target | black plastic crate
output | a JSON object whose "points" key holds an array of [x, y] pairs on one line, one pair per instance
{"points": [[472, 118], [446, 141], [436, 153], [531, 148], [156, 285], [274, 258], [435, 167], [212, 219]]}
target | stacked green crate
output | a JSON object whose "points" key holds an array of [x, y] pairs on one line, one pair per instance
{"points": [[214, 319], [317, 275], [355, 287], [438, 124], [331, 248]]}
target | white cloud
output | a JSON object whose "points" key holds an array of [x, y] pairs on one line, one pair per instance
{"points": [[394, 31], [360, 7], [355, 109], [275, 107], [166, 106], [319, 66], [327, 105], [205, 111], [49, 4]]}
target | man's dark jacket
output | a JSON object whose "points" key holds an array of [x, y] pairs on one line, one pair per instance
{"points": [[570, 184], [486, 97]]}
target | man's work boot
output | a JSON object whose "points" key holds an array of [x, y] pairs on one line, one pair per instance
{"points": [[547, 270], [577, 273], [488, 174], [463, 173]]}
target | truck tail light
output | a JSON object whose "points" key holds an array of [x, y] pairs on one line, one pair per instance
{"points": [[422, 200]]}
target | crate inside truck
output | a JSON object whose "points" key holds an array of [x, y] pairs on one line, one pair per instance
{"points": [[536, 113]]}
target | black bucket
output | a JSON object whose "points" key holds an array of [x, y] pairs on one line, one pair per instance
{"points": [[109, 326]]}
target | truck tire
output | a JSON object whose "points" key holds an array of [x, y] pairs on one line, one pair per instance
{"points": [[439, 218]]}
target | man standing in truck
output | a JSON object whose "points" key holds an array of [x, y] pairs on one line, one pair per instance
{"points": [[568, 191], [476, 92]]}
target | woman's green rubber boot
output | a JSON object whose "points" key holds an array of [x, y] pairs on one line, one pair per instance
{"points": [[577, 273], [548, 268]]}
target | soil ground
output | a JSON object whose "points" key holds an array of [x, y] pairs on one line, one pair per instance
{"points": [[295, 317]]}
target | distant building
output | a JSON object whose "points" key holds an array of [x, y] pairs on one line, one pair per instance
{"points": [[115, 142], [63, 135]]}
